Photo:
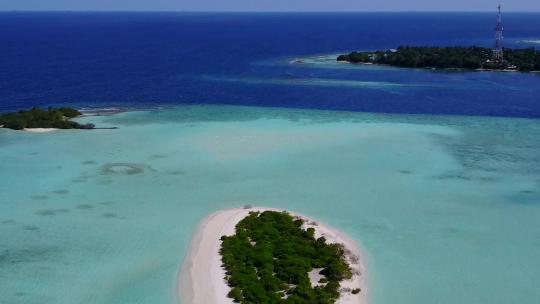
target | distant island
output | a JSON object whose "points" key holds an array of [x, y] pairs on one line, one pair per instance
{"points": [[35, 118], [525, 60], [264, 255]]}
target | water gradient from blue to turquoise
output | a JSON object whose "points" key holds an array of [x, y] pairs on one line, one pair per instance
{"points": [[446, 207]]}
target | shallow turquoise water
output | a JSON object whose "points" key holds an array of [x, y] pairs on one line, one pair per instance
{"points": [[447, 208]]}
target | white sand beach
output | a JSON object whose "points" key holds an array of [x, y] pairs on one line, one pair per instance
{"points": [[40, 130], [201, 278]]}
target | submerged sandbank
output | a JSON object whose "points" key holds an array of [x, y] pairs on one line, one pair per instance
{"points": [[202, 276]]}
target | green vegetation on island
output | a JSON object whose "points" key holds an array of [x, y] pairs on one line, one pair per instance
{"points": [[270, 256], [58, 118], [450, 58]]}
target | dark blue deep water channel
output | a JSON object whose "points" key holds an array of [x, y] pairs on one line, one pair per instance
{"points": [[155, 59]]}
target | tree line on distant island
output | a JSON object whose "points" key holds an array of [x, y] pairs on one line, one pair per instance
{"points": [[449, 57], [269, 257], [37, 118]]}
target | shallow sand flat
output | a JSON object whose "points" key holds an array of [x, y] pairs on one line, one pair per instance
{"points": [[201, 278]]}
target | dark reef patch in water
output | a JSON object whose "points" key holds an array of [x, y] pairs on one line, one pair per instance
{"points": [[31, 228], [109, 215], [82, 178], [176, 172], [158, 156], [79, 180], [27, 255], [60, 191], [525, 197], [507, 151], [88, 162], [123, 169], [454, 176], [8, 222], [51, 212], [84, 206], [405, 172], [488, 179], [464, 176]]}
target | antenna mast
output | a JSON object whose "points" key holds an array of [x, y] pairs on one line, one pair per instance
{"points": [[498, 55]]}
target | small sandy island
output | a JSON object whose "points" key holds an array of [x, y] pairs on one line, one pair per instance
{"points": [[202, 280]]}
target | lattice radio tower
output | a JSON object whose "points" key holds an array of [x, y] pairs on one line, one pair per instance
{"points": [[498, 50]]}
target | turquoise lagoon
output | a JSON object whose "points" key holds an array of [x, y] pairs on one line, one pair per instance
{"points": [[446, 208]]}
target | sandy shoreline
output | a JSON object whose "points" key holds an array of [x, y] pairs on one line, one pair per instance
{"points": [[201, 279], [40, 130]]}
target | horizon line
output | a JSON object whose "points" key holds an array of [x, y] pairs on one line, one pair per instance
{"points": [[255, 11]]}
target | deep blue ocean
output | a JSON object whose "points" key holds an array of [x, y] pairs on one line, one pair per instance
{"points": [[156, 59]]}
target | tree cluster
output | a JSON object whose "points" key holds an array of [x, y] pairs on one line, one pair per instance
{"points": [[449, 57], [269, 257], [37, 118], [524, 59]]}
